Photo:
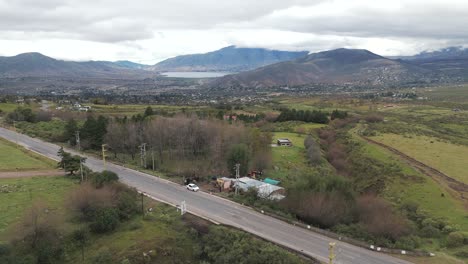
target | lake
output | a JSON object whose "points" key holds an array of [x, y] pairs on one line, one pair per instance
{"points": [[195, 74]]}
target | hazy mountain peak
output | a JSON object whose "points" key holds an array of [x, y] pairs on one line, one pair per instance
{"points": [[229, 58]]}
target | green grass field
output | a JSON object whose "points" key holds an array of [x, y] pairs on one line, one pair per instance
{"points": [[13, 157], [16, 196], [290, 161], [420, 189], [449, 158], [140, 235], [7, 107]]}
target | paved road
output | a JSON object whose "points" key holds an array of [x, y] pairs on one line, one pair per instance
{"points": [[223, 211]]}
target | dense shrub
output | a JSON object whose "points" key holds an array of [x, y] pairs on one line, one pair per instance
{"points": [[104, 220], [408, 242], [313, 151], [455, 239], [21, 114], [227, 246], [85, 199], [430, 231], [103, 178], [379, 218], [324, 209], [127, 204], [337, 114]]}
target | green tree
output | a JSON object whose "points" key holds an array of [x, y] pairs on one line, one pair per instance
{"points": [[68, 162], [21, 114], [148, 111], [70, 129], [94, 130], [238, 153]]}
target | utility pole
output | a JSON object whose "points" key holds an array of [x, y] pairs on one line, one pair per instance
{"points": [[152, 156], [77, 136], [81, 169], [143, 155], [142, 204], [237, 178], [104, 150], [331, 251], [16, 132]]}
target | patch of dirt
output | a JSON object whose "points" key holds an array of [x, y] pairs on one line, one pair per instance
{"points": [[25, 174]]}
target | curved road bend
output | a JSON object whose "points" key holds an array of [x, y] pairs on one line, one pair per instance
{"points": [[223, 211]]}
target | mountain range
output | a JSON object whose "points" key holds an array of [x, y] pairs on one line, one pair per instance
{"points": [[37, 65], [452, 61], [228, 59], [260, 67], [338, 67]]}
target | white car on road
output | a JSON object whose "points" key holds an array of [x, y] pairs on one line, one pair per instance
{"points": [[192, 187]]}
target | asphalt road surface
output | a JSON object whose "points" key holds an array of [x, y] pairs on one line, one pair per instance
{"points": [[222, 211]]}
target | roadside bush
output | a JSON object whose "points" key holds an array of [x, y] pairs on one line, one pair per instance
{"points": [[379, 219], [455, 239], [222, 245], [103, 178], [321, 208], [85, 199], [127, 204], [430, 231], [356, 231], [104, 220], [408, 243]]}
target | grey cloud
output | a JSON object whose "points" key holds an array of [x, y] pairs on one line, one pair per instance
{"points": [[99, 20]]}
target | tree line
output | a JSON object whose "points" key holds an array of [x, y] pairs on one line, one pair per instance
{"points": [[313, 116]]}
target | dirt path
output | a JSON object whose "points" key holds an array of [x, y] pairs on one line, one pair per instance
{"points": [[459, 189], [24, 174]]}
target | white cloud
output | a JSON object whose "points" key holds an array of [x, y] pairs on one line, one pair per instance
{"points": [[148, 31]]}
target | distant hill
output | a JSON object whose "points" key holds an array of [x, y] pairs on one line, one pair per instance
{"points": [[231, 59], [340, 66], [37, 65], [452, 61], [131, 65]]}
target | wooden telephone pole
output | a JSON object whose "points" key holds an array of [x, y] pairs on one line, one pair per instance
{"points": [[104, 150]]}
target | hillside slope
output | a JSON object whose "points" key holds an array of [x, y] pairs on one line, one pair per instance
{"points": [[230, 59], [38, 65], [340, 66]]}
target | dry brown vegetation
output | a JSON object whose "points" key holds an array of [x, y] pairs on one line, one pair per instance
{"points": [[189, 141]]}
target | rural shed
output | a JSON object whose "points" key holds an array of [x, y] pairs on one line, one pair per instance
{"points": [[284, 142], [265, 190]]}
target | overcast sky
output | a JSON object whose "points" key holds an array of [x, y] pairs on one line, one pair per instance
{"points": [[148, 31]]}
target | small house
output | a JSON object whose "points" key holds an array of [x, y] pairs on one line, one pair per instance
{"points": [[264, 190], [284, 142]]}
